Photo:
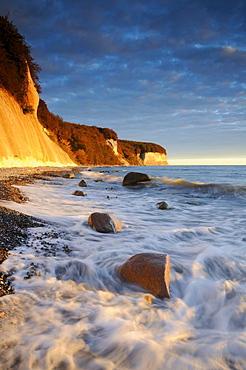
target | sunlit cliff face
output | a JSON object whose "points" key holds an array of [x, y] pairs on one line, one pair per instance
{"points": [[23, 141], [154, 159]]}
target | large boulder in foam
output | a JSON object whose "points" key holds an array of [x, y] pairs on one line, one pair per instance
{"points": [[104, 223], [150, 270], [133, 178]]}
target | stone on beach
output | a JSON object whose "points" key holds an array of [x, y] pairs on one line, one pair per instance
{"points": [[79, 193], [162, 205], [3, 254], [133, 178], [104, 223], [68, 176], [149, 270], [82, 183]]}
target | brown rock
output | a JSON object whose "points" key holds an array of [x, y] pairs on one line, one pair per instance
{"points": [[3, 254], [104, 223], [133, 178], [162, 205], [150, 270], [82, 183], [98, 180], [68, 176], [79, 193]]}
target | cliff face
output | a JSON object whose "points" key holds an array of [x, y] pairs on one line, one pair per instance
{"points": [[22, 138], [144, 158], [153, 159], [143, 154], [30, 135]]}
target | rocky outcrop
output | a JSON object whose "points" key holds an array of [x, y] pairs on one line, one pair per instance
{"points": [[22, 140], [149, 270], [104, 223], [133, 178]]}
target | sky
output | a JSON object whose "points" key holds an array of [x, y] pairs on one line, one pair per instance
{"points": [[172, 72]]}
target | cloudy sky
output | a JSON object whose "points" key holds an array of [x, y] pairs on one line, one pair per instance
{"points": [[171, 72]]}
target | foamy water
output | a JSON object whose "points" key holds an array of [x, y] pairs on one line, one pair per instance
{"points": [[71, 310]]}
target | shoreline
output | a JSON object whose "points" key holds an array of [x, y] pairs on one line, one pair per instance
{"points": [[14, 224]]}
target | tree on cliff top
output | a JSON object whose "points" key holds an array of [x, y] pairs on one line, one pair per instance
{"points": [[14, 54]]}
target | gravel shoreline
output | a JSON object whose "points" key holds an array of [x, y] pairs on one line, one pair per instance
{"points": [[13, 224]]}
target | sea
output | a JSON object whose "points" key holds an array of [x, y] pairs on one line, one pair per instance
{"points": [[71, 309]]}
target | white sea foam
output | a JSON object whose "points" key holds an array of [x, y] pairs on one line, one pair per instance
{"points": [[71, 310]]}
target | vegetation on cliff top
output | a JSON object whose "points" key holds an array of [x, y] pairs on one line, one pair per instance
{"points": [[84, 144], [15, 54]]}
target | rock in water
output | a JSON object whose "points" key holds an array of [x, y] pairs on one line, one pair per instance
{"points": [[150, 270], [82, 183], [68, 176], [133, 178], [162, 205], [104, 223], [79, 193]]}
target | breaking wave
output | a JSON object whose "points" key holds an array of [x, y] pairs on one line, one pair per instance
{"points": [[206, 188]]}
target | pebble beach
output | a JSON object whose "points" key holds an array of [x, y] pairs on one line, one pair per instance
{"points": [[13, 224]]}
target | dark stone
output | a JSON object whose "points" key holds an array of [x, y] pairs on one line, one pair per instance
{"points": [[68, 176], [149, 270], [162, 205], [82, 183], [79, 193], [104, 223], [133, 178], [98, 180]]}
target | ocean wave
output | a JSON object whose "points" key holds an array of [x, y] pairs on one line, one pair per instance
{"points": [[205, 188], [101, 176]]}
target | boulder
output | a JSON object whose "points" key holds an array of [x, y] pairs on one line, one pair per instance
{"points": [[79, 193], [133, 178], [68, 176], [82, 183], [104, 223], [162, 205], [149, 270]]}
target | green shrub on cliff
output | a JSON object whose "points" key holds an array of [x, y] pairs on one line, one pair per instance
{"points": [[14, 54]]}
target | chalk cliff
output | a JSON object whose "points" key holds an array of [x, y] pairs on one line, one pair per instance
{"points": [[153, 159], [23, 141], [30, 135], [144, 158], [142, 154]]}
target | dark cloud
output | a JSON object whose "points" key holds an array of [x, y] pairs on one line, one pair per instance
{"points": [[168, 71]]}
